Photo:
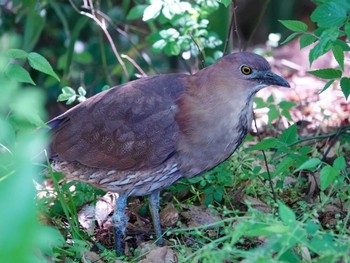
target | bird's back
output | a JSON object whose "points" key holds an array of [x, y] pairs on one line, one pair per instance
{"points": [[122, 139]]}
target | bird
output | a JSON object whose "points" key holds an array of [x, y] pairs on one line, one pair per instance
{"points": [[140, 137]]}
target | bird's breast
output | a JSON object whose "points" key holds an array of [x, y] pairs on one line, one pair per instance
{"points": [[209, 135]]}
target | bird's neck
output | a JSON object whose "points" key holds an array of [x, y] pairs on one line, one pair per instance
{"points": [[212, 124]]}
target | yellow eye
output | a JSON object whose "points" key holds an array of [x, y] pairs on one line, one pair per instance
{"points": [[246, 70]]}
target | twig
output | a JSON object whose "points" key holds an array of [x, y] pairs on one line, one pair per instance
{"points": [[200, 51], [234, 16], [320, 137], [261, 16], [103, 26], [228, 35], [135, 65], [126, 35], [331, 144], [265, 161]]}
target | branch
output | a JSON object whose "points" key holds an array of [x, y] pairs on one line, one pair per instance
{"points": [[102, 24]]}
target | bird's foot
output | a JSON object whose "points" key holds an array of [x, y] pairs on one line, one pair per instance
{"points": [[120, 221]]}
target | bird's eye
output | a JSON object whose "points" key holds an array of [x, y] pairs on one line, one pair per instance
{"points": [[246, 70]]}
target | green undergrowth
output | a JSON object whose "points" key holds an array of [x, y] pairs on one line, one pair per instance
{"points": [[279, 198]]}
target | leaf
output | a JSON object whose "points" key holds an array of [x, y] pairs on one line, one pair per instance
{"points": [[327, 73], [311, 227], [329, 15], [67, 94], [284, 165], [345, 86], [286, 214], [226, 3], [342, 44], [81, 91], [309, 164], [159, 45], [259, 103], [339, 163], [172, 49], [347, 29], [286, 105], [34, 25], [307, 40], [327, 176], [289, 135], [16, 53], [273, 113], [152, 11], [264, 144], [40, 63], [327, 38], [18, 73], [136, 12], [328, 84], [338, 54], [289, 38], [294, 25]]}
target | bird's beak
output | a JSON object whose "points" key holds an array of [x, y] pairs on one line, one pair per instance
{"points": [[270, 78]]}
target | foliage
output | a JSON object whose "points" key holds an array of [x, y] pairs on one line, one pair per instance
{"points": [[287, 238], [22, 238], [182, 25], [332, 30], [39, 34]]}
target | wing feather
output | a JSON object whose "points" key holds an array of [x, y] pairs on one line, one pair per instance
{"points": [[127, 127]]}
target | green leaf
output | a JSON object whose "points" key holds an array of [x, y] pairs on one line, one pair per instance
{"points": [[172, 49], [18, 73], [345, 86], [338, 54], [329, 15], [68, 90], [328, 84], [309, 164], [16, 53], [34, 25], [307, 40], [294, 25], [264, 144], [273, 113], [327, 176], [152, 11], [259, 103], [347, 29], [289, 135], [81, 91], [286, 214], [159, 45], [286, 105], [40, 63], [284, 165], [327, 73], [226, 3], [311, 228], [339, 163], [68, 94], [327, 38], [289, 38], [136, 12], [342, 44]]}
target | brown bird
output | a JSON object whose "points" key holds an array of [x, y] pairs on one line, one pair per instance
{"points": [[138, 138]]}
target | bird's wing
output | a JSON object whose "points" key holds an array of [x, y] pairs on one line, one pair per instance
{"points": [[128, 127]]}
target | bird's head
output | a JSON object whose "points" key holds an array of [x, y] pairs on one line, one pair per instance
{"points": [[250, 71]]}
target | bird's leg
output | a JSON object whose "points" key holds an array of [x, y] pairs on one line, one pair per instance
{"points": [[120, 221], [154, 209]]}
